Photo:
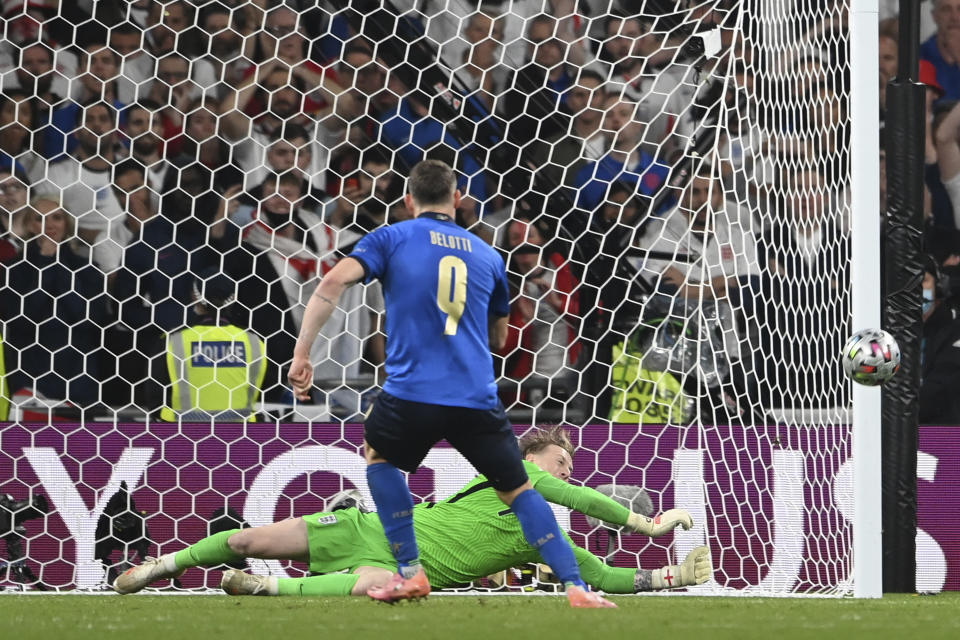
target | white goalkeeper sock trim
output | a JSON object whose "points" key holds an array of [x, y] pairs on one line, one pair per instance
{"points": [[168, 562], [273, 586]]}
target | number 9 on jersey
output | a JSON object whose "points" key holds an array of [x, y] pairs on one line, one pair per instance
{"points": [[452, 291]]}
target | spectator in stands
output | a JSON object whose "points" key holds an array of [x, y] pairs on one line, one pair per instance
{"points": [[560, 157], [13, 214], [281, 254], [173, 90], [943, 48], [24, 20], [535, 103], [946, 171], [468, 216], [284, 90], [282, 42], [125, 40], [167, 34], [940, 356], [202, 146], [280, 32], [368, 195], [153, 283], [157, 263], [133, 197], [444, 24], [639, 59], [804, 244], [36, 76], [620, 209], [17, 121], [290, 152], [31, 68], [544, 316], [746, 166], [83, 180], [166, 26], [715, 255], [54, 325], [99, 66], [413, 132], [224, 45], [888, 56], [144, 130], [625, 162], [137, 66], [365, 80], [478, 64], [934, 92], [288, 149]]}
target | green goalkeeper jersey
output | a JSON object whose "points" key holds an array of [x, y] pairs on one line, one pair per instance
{"points": [[473, 534]]}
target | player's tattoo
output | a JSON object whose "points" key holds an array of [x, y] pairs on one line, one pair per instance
{"points": [[327, 300], [643, 581]]}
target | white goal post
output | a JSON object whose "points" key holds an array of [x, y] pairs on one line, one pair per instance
{"points": [[685, 195]]}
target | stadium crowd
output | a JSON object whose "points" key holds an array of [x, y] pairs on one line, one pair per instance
{"points": [[143, 143]]}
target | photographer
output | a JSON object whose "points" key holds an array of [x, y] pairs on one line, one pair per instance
{"points": [[940, 359], [13, 514]]}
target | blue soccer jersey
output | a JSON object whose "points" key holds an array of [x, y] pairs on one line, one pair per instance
{"points": [[440, 284]]}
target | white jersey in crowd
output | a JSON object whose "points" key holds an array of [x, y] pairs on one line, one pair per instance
{"points": [[338, 349], [88, 196], [550, 333], [251, 155], [728, 248]]}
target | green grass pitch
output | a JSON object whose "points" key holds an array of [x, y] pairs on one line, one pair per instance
{"points": [[467, 617]]}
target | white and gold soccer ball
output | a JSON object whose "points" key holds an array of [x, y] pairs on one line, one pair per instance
{"points": [[871, 357]]}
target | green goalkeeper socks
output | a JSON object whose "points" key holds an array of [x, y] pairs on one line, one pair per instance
{"points": [[334, 584], [209, 552]]}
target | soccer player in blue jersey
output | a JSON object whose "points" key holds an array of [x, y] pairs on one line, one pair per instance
{"points": [[447, 303]]}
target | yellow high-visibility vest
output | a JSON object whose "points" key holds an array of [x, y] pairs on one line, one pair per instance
{"points": [[216, 373], [644, 396]]}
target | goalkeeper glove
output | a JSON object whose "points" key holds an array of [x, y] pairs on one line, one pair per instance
{"points": [[662, 524], [696, 569]]}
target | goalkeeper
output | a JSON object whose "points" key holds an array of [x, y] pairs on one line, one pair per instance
{"points": [[465, 537]]}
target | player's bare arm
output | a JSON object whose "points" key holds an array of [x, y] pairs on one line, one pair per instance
{"points": [[324, 300], [498, 333]]}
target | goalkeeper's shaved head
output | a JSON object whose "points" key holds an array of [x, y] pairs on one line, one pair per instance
{"points": [[536, 441]]}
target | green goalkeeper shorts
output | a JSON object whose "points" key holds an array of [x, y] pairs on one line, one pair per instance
{"points": [[347, 539]]}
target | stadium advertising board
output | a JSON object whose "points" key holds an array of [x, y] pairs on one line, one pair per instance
{"points": [[775, 501]]}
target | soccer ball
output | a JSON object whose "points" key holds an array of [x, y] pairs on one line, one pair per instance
{"points": [[871, 357]]}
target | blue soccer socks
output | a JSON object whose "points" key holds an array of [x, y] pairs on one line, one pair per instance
{"points": [[395, 508], [542, 532]]}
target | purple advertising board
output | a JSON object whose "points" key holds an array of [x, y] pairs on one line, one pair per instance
{"points": [[773, 503]]}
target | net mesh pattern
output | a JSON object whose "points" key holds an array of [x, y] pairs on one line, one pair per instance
{"points": [[668, 184]]}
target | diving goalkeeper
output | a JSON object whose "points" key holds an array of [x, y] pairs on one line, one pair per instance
{"points": [[465, 537]]}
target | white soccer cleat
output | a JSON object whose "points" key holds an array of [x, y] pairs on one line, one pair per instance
{"points": [[697, 567], [239, 583], [152, 570]]}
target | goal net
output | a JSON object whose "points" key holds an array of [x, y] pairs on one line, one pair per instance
{"points": [[668, 183]]}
